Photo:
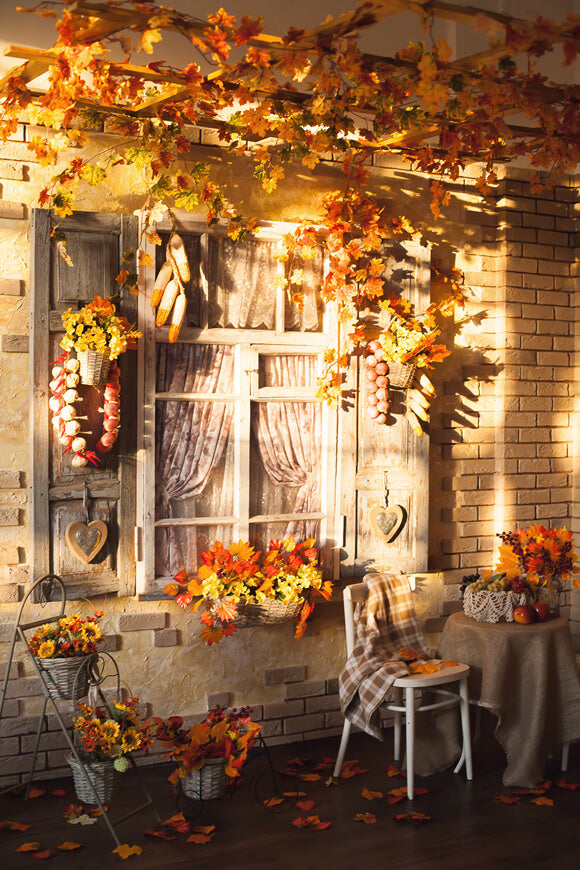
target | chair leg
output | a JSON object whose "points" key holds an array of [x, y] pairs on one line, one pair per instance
{"points": [[342, 748], [410, 740], [397, 725], [465, 727], [565, 754]]}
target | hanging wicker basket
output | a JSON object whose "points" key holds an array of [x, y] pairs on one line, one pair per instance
{"points": [[208, 783], [100, 773], [93, 366], [269, 612], [66, 679], [401, 374]]}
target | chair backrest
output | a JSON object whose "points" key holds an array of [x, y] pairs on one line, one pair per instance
{"points": [[351, 595]]}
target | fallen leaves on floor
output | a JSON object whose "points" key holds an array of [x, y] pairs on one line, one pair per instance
{"points": [[201, 834], [13, 826], [69, 846], [570, 786], [543, 801], [371, 795], [507, 799], [125, 851], [42, 856], [414, 818], [366, 818], [29, 847], [302, 822], [76, 814]]}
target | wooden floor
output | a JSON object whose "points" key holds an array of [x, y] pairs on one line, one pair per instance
{"points": [[468, 827]]}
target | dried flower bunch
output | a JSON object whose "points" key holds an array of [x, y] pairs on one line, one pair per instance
{"points": [[408, 337], [112, 732], [96, 327], [287, 572], [222, 734], [69, 636]]}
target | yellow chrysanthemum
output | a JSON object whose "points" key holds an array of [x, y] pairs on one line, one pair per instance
{"points": [[46, 649]]}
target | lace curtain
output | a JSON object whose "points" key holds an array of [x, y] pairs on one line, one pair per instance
{"points": [[242, 290], [190, 438], [288, 435]]}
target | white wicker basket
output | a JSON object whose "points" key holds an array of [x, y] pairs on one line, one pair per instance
{"points": [[268, 613], [207, 783], [66, 679], [492, 606], [100, 773], [93, 366], [401, 374]]}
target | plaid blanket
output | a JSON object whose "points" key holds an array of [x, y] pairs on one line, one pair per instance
{"points": [[384, 623]]}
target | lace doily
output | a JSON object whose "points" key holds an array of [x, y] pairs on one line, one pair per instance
{"points": [[492, 606]]}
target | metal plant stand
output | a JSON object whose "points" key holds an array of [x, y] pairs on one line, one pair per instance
{"points": [[43, 592]]}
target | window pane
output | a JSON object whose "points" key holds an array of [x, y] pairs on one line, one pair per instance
{"points": [[194, 315], [242, 292], [285, 463], [309, 319], [194, 368], [287, 370], [178, 548]]}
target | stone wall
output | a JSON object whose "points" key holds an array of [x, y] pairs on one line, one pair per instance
{"points": [[504, 446]]}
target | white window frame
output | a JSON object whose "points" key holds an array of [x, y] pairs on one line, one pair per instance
{"points": [[249, 343]]}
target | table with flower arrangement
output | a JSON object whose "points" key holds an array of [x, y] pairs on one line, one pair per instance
{"points": [[527, 676]]}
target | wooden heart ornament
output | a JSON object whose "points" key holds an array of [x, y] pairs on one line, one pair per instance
{"points": [[387, 522], [86, 540]]}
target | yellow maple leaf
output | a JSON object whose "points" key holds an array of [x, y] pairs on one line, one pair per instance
{"points": [[125, 851], [147, 40]]}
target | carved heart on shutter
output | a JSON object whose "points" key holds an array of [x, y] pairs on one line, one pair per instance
{"points": [[86, 540], [387, 522]]}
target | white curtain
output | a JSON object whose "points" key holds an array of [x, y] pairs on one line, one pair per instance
{"points": [[190, 438], [288, 436]]}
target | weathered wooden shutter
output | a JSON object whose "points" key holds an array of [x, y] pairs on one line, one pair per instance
{"points": [[95, 243], [374, 454]]}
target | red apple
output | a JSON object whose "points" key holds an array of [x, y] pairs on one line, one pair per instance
{"points": [[524, 614], [542, 611]]}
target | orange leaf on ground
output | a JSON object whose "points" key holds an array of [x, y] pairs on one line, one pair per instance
{"points": [[399, 792], [162, 835], [305, 806], [178, 822], [507, 799], [322, 826], [371, 795], [42, 856], [366, 818], [294, 794], [69, 846], [13, 826], [204, 829], [198, 838], [417, 818], [543, 801], [570, 786], [310, 777], [299, 822], [392, 770], [351, 768], [394, 799], [29, 847], [59, 792], [125, 851], [273, 802], [296, 762], [36, 792]]}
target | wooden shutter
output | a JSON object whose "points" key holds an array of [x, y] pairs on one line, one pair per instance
{"points": [[95, 242], [370, 452]]}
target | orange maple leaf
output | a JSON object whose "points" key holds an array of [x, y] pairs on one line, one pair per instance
{"points": [[366, 818], [543, 801], [29, 847], [507, 799], [371, 795], [69, 846], [125, 851], [198, 838]]}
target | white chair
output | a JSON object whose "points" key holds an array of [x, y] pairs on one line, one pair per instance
{"points": [[431, 682]]}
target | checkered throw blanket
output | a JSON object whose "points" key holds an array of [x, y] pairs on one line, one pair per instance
{"points": [[384, 623]]}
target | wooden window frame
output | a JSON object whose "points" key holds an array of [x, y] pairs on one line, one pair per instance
{"points": [[249, 343]]}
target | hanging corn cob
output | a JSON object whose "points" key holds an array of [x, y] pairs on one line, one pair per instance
{"points": [[168, 290]]}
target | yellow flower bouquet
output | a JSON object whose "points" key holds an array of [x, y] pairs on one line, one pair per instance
{"points": [[233, 578], [537, 556], [112, 732], [96, 327], [67, 637]]}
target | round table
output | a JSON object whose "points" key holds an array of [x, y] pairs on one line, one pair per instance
{"points": [[527, 676]]}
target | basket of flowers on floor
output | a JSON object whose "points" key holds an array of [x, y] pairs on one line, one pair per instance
{"points": [[209, 755], [240, 586]]}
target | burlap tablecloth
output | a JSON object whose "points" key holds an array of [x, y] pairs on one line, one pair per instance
{"points": [[527, 676]]}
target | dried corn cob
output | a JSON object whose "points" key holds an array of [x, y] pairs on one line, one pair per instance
{"points": [[166, 304], [176, 250], [177, 316], [414, 423], [165, 273]]}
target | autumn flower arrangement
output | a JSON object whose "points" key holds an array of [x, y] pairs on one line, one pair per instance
{"points": [[67, 637], [410, 338], [112, 732], [96, 327], [542, 556], [287, 572], [222, 734]]}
